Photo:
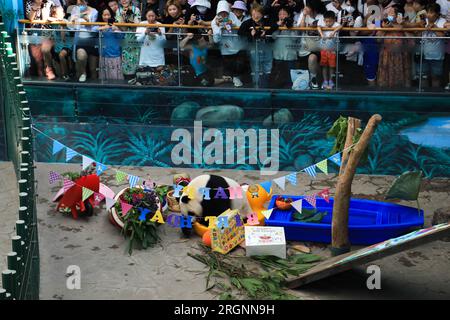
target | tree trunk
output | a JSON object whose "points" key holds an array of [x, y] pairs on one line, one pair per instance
{"points": [[339, 228]]}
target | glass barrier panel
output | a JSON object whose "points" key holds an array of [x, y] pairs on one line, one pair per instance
{"points": [[431, 63]]}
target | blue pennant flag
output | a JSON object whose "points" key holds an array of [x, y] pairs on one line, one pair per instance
{"points": [[100, 168], [292, 178], [336, 158], [266, 185], [57, 146], [133, 180], [70, 154], [311, 170]]}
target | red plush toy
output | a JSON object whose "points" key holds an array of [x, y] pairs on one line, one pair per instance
{"points": [[72, 198]]}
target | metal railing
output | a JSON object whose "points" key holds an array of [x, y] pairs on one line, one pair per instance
{"points": [[21, 279], [357, 74]]}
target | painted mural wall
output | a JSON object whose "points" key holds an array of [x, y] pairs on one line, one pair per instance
{"points": [[133, 126]]}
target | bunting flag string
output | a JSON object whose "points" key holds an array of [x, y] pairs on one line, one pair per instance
{"points": [[68, 184], [57, 146], [120, 176], [311, 200], [281, 182], [86, 162], [53, 177], [323, 166], [325, 194], [70, 154], [100, 168], [311, 170], [267, 213], [110, 203], [98, 197], [86, 193], [292, 178], [126, 207], [133, 180], [298, 205], [336, 158]]}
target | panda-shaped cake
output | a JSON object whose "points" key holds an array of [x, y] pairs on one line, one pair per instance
{"points": [[200, 208]]}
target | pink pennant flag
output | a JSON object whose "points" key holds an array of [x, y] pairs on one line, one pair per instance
{"points": [[311, 200], [53, 176], [68, 184], [125, 208], [325, 194], [98, 197]]}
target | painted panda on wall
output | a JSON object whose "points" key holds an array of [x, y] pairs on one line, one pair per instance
{"points": [[200, 208]]}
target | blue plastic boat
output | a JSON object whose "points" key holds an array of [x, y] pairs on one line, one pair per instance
{"points": [[369, 221]]}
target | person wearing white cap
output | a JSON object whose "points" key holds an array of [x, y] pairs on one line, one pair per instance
{"points": [[239, 10], [230, 45], [200, 13]]}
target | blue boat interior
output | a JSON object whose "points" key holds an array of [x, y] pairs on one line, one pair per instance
{"points": [[362, 213]]}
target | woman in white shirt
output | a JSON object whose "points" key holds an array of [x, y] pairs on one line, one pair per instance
{"points": [[153, 40], [311, 16]]}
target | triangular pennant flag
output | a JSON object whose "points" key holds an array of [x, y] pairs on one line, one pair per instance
{"points": [[336, 158], [325, 194], [311, 200], [267, 213], [100, 168], [125, 207], [86, 162], [120, 176], [68, 184], [311, 170], [298, 205], [266, 185], [86, 193], [109, 203], [292, 178], [57, 146], [133, 180], [70, 154], [53, 176], [323, 166], [98, 197], [281, 182]]}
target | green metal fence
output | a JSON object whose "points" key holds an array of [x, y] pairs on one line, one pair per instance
{"points": [[21, 279]]}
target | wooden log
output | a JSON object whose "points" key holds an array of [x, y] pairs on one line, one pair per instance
{"points": [[353, 125], [339, 226]]}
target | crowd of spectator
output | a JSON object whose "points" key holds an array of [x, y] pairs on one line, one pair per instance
{"points": [[249, 42]]}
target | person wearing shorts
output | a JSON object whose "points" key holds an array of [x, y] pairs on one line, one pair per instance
{"points": [[328, 48]]}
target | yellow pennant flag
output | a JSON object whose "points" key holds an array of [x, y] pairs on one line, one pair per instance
{"points": [[323, 166], [86, 193], [120, 176]]}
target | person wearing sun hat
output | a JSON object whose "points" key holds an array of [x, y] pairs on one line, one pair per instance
{"points": [[200, 13], [239, 10], [230, 45]]}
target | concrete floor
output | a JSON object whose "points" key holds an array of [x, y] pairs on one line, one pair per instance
{"points": [[166, 272]]}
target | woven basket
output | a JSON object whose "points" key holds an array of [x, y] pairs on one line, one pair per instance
{"points": [[172, 202]]}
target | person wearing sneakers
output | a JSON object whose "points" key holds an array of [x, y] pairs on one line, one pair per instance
{"points": [[328, 48], [229, 43]]}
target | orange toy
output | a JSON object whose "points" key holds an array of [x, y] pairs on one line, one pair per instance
{"points": [[207, 238], [257, 196]]}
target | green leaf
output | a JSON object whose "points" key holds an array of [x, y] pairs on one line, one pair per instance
{"points": [[406, 186], [225, 296]]}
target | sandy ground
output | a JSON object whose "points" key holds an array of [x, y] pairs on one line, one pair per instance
{"points": [[166, 272]]}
